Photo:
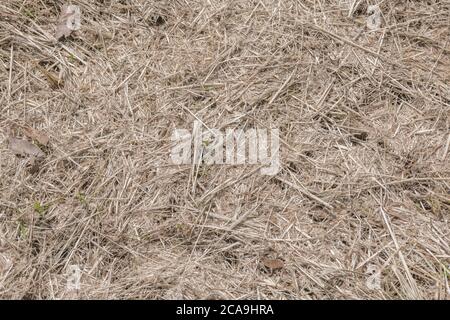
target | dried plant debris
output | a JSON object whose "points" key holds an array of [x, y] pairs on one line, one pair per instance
{"points": [[359, 209], [67, 22]]}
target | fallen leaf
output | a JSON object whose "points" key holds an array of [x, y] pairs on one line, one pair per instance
{"points": [[37, 135], [273, 264], [64, 29], [24, 147]]}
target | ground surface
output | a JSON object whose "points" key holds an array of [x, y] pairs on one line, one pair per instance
{"points": [[363, 117]]}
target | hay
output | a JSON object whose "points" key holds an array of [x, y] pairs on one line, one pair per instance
{"points": [[364, 122]]}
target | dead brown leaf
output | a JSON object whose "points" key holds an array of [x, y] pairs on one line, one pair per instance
{"points": [[62, 29], [24, 147]]}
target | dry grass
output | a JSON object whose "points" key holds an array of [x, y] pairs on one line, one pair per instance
{"points": [[363, 115]]}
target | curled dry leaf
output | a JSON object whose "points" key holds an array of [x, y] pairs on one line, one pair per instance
{"points": [[24, 147], [64, 27], [273, 264]]}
